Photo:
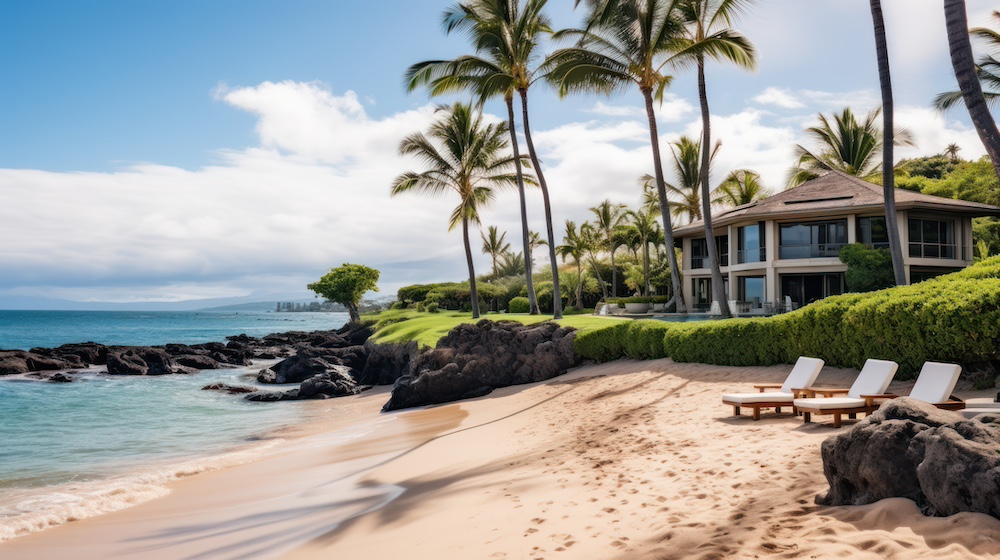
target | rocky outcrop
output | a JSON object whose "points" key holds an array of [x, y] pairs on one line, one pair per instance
{"points": [[387, 362], [140, 360], [907, 448], [336, 382], [472, 360], [229, 389]]}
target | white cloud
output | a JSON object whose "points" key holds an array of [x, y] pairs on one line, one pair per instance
{"points": [[778, 97]]}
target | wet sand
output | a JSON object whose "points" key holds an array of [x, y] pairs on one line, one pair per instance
{"points": [[619, 461]]}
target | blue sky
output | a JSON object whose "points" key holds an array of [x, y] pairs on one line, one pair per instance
{"points": [[157, 151]]}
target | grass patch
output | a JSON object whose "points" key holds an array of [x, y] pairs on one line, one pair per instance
{"points": [[404, 325]]}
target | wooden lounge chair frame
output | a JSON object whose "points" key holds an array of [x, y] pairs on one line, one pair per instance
{"points": [[763, 387], [872, 402]]}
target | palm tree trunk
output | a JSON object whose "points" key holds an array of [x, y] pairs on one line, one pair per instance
{"points": [[718, 285], [579, 285], [645, 268], [888, 178], [556, 297], [472, 271], [614, 275], [532, 298], [597, 274], [661, 190], [957, 24]]}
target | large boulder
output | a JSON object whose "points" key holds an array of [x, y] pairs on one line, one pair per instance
{"points": [[13, 362], [387, 362], [140, 360], [335, 383], [474, 359], [910, 449], [306, 363]]}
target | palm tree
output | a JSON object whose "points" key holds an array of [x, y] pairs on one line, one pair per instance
{"points": [[687, 157], [625, 44], [573, 245], [987, 70], [506, 34], [888, 177], [464, 156], [847, 145], [741, 186], [494, 245], [707, 35], [957, 25], [592, 243], [535, 240], [609, 219], [644, 230], [951, 152], [511, 264]]}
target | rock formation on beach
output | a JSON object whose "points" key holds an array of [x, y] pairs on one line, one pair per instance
{"points": [[910, 449], [472, 360]]}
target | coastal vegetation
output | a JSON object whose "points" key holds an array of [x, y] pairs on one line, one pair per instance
{"points": [[346, 285]]}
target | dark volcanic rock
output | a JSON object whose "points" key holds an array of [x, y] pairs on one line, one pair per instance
{"points": [[197, 361], [231, 389], [387, 362], [474, 359], [12, 362], [60, 378], [911, 449], [139, 360], [335, 383], [306, 363], [273, 396]]}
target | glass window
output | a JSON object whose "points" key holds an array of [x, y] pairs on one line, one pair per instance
{"points": [[751, 289], [699, 251], [812, 239], [751, 244], [932, 239], [702, 293], [872, 232]]}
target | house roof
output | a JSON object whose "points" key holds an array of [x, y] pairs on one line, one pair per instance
{"points": [[832, 193]]}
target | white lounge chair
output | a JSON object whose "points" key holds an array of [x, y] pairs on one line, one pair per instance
{"points": [[870, 386], [802, 375], [935, 383]]}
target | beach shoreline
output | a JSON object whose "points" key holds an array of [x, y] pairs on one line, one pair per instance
{"points": [[619, 460]]}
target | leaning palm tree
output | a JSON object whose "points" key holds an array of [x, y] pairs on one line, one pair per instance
{"points": [[888, 188], [506, 36], [741, 186], [593, 243], [494, 245], [708, 36], [957, 25], [608, 220], [987, 70], [846, 144], [465, 156], [574, 245], [626, 43]]}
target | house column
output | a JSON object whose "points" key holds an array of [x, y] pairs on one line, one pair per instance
{"points": [[852, 228], [903, 221], [733, 291], [771, 288]]}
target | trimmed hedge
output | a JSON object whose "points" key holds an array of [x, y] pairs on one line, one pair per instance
{"points": [[518, 305], [952, 318]]}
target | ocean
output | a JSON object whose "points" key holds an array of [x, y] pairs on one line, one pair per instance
{"points": [[72, 450]]}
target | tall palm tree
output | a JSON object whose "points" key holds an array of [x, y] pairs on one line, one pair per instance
{"points": [[687, 169], [574, 245], [741, 186], [506, 36], [511, 264], [625, 44], [987, 70], [644, 230], [708, 36], [608, 220], [951, 152], [847, 145], [535, 240], [494, 245], [957, 25], [463, 155], [888, 177]]}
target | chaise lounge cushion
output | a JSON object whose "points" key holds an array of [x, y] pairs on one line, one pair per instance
{"points": [[802, 375], [935, 382], [833, 403], [767, 397], [873, 379]]}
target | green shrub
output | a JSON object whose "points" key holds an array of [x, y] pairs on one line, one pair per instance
{"points": [[420, 307], [868, 269], [398, 305], [952, 318], [431, 307], [519, 304]]}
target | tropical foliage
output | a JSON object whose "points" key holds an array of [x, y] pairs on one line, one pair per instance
{"points": [[346, 285], [741, 186]]}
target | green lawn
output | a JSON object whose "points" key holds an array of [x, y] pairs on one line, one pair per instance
{"points": [[427, 328]]}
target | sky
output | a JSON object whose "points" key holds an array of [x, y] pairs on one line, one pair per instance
{"points": [[170, 151]]}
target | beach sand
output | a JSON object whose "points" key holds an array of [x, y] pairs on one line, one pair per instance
{"points": [[620, 461]]}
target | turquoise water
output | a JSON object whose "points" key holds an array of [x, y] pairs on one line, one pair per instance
{"points": [[71, 450], [22, 330]]}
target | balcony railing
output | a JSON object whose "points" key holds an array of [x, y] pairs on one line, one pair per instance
{"points": [[761, 254], [701, 261], [809, 251]]}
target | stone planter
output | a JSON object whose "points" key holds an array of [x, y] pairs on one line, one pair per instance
{"points": [[635, 308]]}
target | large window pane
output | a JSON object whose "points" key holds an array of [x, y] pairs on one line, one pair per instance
{"points": [[932, 239], [810, 240]]}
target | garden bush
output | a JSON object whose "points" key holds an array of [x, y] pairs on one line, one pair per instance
{"points": [[952, 318], [519, 304], [431, 307]]}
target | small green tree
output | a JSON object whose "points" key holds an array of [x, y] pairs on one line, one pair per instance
{"points": [[867, 269], [347, 284]]}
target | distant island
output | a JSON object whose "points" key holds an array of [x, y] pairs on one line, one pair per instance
{"points": [[311, 307]]}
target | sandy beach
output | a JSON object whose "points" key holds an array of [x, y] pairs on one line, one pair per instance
{"points": [[621, 460]]}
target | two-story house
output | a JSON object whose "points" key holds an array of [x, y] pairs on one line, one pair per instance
{"points": [[788, 244]]}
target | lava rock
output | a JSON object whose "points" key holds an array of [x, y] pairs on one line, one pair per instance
{"points": [[139, 360], [304, 364], [197, 362], [60, 378], [387, 362], [473, 359], [335, 383], [230, 389], [908, 448], [13, 362]]}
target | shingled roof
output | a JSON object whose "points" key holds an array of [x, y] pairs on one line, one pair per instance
{"points": [[832, 192]]}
